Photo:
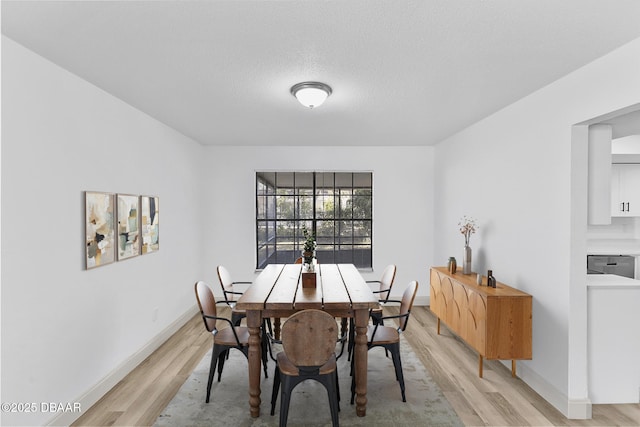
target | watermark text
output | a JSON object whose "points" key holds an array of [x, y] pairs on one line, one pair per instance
{"points": [[44, 407]]}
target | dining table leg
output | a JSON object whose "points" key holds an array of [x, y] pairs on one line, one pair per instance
{"points": [[254, 320], [361, 355]]}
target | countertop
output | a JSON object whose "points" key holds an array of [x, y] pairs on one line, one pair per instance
{"points": [[613, 247], [611, 281]]}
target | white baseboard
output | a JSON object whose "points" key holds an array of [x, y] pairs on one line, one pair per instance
{"points": [[575, 409], [421, 300], [579, 409], [95, 393]]}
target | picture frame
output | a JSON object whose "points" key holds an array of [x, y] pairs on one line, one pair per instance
{"points": [[150, 224], [128, 226], [100, 242]]}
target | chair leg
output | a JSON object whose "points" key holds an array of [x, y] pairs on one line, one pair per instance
{"points": [[285, 399], [270, 337], [352, 337], [344, 335], [397, 363], [338, 388], [270, 349], [265, 346], [330, 384], [212, 370], [223, 356], [276, 388], [353, 384]]}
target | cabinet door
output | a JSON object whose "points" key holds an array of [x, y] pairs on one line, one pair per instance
{"points": [[625, 190], [617, 208]]}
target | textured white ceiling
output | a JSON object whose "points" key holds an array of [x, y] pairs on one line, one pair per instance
{"points": [[402, 72]]}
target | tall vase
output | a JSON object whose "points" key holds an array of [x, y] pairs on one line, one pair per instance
{"points": [[466, 260]]}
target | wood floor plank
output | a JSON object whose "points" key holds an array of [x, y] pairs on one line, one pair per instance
{"points": [[496, 399], [616, 416], [464, 408], [141, 403], [99, 418], [506, 409], [149, 415], [630, 410]]}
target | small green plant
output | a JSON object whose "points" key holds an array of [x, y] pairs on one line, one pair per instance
{"points": [[310, 240]]}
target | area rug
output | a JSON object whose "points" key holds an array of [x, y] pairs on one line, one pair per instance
{"points": [[229, 403]]}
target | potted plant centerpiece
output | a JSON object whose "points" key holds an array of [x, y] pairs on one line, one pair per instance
{"points": [[309, 248], [308, 254]]}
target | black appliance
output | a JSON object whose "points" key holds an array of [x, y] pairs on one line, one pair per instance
{"points": [[621, 265]]}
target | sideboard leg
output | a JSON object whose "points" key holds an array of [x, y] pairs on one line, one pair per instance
{"points": [[438, 326], [480, 365], [513, 368]]}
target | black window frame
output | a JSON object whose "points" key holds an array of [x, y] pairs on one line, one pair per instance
{"points": [[344, 235]]}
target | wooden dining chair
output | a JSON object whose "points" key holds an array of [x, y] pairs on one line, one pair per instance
{"points": [[385, 283], [308, 342], [384, 290], [343, 337], [388, 337], [231, 295], [224, 339]]}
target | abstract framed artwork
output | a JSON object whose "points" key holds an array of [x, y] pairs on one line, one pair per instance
{"points": [[150, 223], [128, 226], [99, 229]]}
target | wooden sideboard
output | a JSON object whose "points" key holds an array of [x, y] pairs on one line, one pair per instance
{"points": [[496, 322]]}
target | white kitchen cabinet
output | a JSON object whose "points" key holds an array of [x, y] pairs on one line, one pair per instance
{"points": [[625, 189], [613, 342]]}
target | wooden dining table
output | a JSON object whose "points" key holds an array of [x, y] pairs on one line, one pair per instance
{"points": [[277, 293]]}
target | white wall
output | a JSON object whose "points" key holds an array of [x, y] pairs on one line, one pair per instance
{"points": [[402, 205], [67, 332], [518, 174]]}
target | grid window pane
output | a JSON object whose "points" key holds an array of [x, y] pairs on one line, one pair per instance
{"points": [[344, 180], [325, 232], [346, 207], [304, 183], [305, 207], [265, 184], [363, 180], [285, 207], [325, 204], [335, 206]]}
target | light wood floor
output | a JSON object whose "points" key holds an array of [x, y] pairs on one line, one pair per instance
{"points": [[495, 400]]}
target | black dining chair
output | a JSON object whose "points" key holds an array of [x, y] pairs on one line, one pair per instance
{"points": [[388, 337], [385, 283], [308, 343], [224, 338], [231, 295], [343, 338], [384, 290]]}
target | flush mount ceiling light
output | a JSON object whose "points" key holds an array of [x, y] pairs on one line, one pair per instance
{"points": [[311, 94]]}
